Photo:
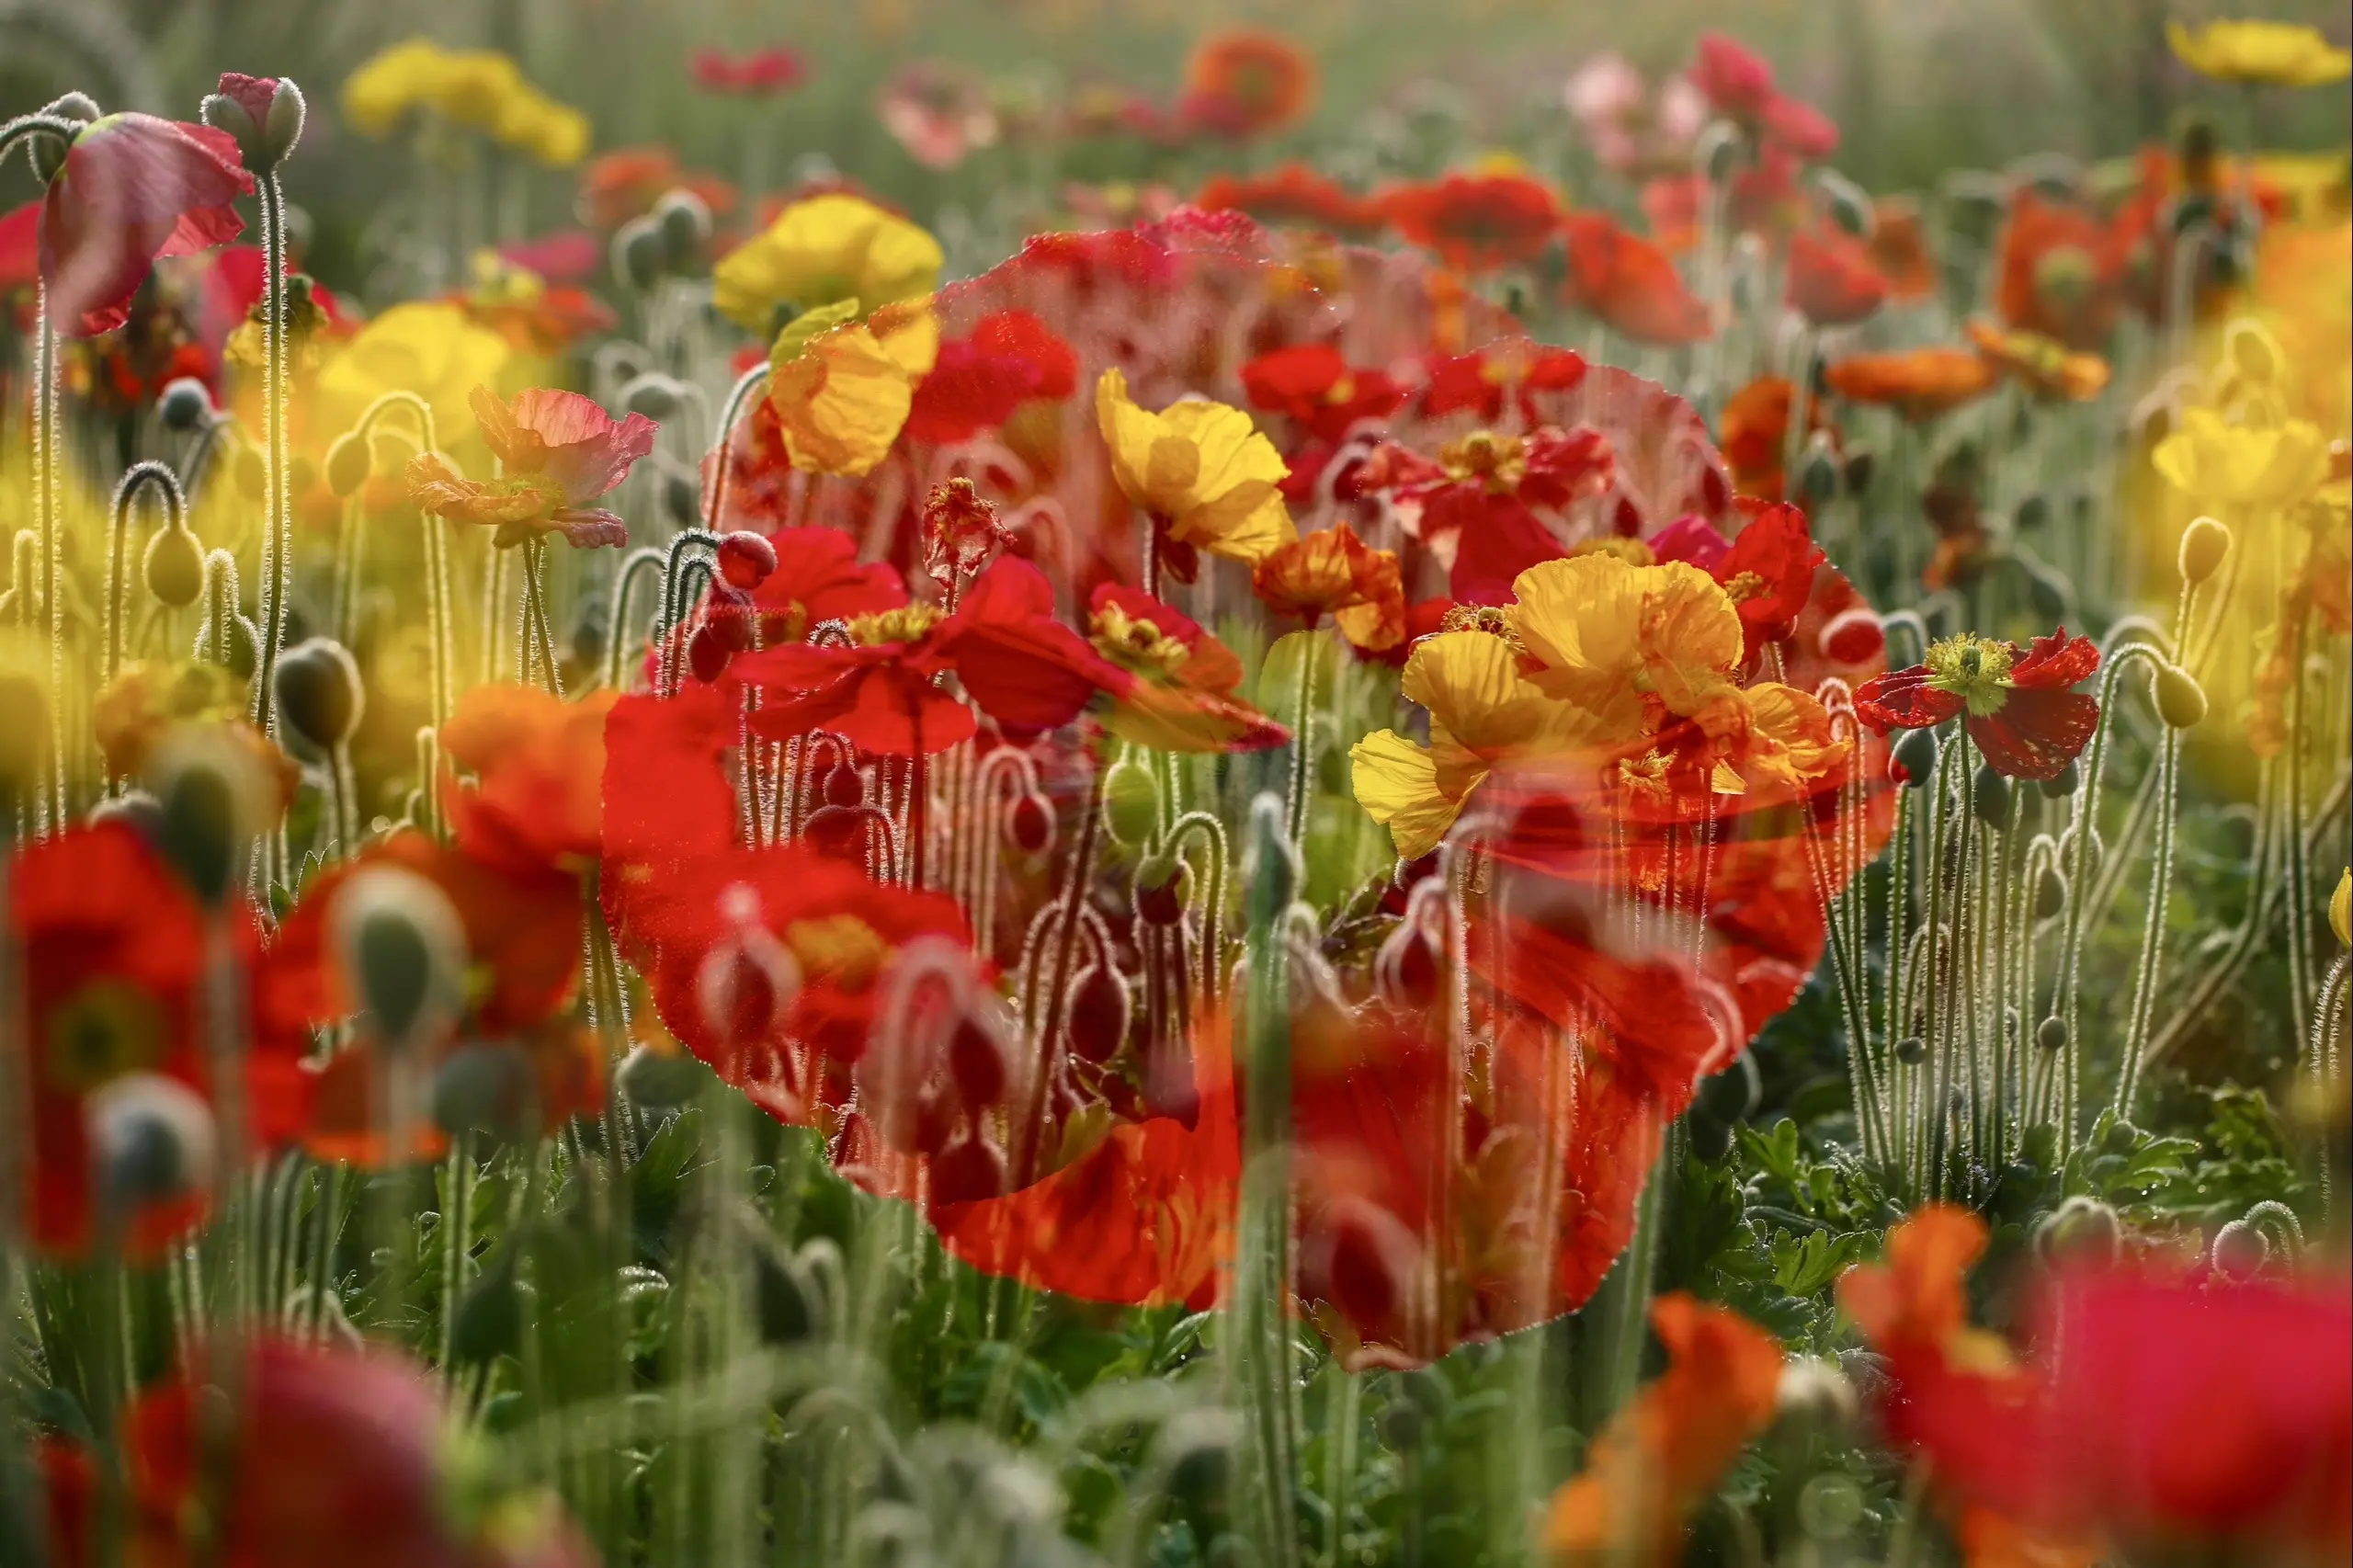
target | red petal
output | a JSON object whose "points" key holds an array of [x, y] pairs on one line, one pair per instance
{"points": [[2037, 733]]}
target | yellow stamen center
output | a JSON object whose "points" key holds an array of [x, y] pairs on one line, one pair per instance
{"points": [[1135, 644], [903, 624], [1976, 669], [1500, 460]]}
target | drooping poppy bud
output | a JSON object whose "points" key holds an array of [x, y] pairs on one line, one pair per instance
{"points": [[173, 567], [2181, 701], [2205, 545], [185, 404], [403, 950], [318, 692], [150, 1140]]}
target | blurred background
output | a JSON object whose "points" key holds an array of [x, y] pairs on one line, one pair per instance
{"points": [[1918, 87]]}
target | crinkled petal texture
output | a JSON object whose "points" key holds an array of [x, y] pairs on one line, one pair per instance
{"points": [[822, 251], [133, 189], [841, 400], [568, 438], [1202, 468]]}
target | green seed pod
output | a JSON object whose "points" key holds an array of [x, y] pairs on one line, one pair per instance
{"points": [[2081, 1229], [2181, 701], [2051, 1035], [318, 692], [173, 567], [1131, 803], [400, 945], [185, 406], [1989, 796], [1914, 758], [2070, 778], [348, 461], [2205, 545], [2049, 892], [1911, 1051]]}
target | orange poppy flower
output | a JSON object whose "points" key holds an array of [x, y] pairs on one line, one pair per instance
{"points": [[559, 451], [1290, 193], [1476, 222], [1919, 384], [1247, 81], [1629, 283], [1485, 380], [1662, 1455], [625, 183], [1899, 249], [1333, 573], [1755, 432], [2055, 271], [536, 760], [2041, 364]]}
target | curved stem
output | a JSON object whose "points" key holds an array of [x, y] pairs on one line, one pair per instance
{"points": [[278, 513], [150, 475]]}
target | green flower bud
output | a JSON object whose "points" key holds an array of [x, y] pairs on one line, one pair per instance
{"points": [[1989, 796], [348, 461], [401, 948], [150, 1140], [318, 692], [2081, 1229], [1131, 803], [2049, 892], [173, 567], [2070, 778], [1848, 204], [2241, 1250], [1914, 758], [2051, 1035], [2181, 701], [185, 406], [640, 257], [1911, 1051], [2205, 545]]}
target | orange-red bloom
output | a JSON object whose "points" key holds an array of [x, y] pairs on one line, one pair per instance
{"points": [[1629, 283], [2039, 363], [1481, 499], [537, 761], [1292, 193], [1476, 222], [1833, 279], [979, 380], [1662, 1455], [625, 183], [1485, 380], [763, 72], [1247, 82], [1899, 249], [559, 451], [132, 189], [2057, 271], [1183, 695], [2020, 705], [1920, 383], [1767, 571], [1755, 427], [1312, 384], [1333, 573]]}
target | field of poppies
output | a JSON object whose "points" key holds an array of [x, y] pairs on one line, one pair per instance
{"points": [[1035, 784]]}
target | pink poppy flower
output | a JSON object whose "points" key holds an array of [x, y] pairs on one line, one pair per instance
{"points": [[133, 189], [561, 451]]}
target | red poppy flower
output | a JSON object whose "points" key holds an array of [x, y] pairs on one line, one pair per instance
{"points": [[1022, 666], [1630, 284], [1481, 500], [818, 578], [2053, 271], [113, 951], [1755, 431], [536, 759], [1312, 384], [19, 248], [337, 1455], [1290, 193], [761, 74], [1476, 222], [1833, 280], [2021, 708], [1767, 570], [1482, 381], [1009, 359], [2156, 1409], [1247, 82], [559, 451], [1735, 82], [133, 189], [1333, 573]]}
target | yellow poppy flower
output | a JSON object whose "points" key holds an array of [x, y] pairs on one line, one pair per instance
{"points": [[841, 388], [1484, 712], [821, 252], [429, 347], [1609, 634], [554, 134], [391, 83], [2286, 54], [1199, 467], [2219, 464]]}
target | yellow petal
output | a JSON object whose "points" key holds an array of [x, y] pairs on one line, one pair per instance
{"points": [[821, 251], [1396, 783], [841, 402]]}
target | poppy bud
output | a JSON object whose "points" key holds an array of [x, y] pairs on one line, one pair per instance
{"points": [[639, 253], [1818, 470], [745, 560], [135, 808], [1852, 636], [24, 734], [1911, 1051], [976, 1062], [72, 106], [1989, 796], [47, 154], [653, 394], [251, 472], [659, 1079], [1270, 869], [1733, 1095], [2253, 350], [746, 982], [403, 950], [151, 1139], [2241, 1250], [174, 566], [845, 787], [1163, 885], [261, 114], [2195, 211], [1402, 1424], [2049, 892], [1849, 206], [2052, 174], [2059, 789], [683, 221], [2122, 1137], [1861, 467], [319, 693], [185, 406], [2081, 1229], [784, 1297], [214, 803], [2033, 511], [1717, 152], [487, 1088], [1130, 802], [970, 1169], [2181, 701], [2205, 545], [2051, 1035], [682, 498], [708, 653], [1914, 758], [1814, 1396], [1031, 825], [1097, 1025], [348, 464]]}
